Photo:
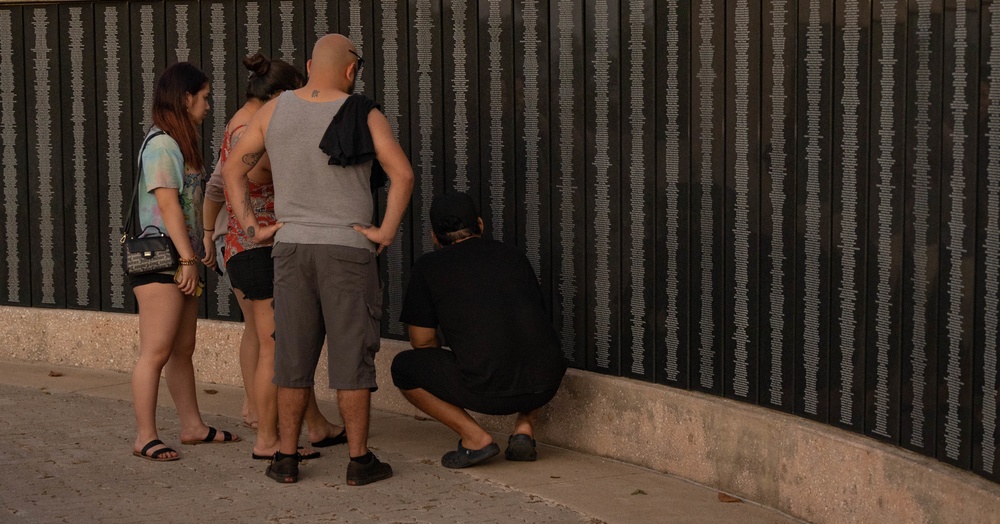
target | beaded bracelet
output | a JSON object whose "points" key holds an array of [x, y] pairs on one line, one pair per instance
{"points": [[187, 261]]}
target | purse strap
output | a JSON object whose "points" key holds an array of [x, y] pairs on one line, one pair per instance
{"points": [[135, 188]]}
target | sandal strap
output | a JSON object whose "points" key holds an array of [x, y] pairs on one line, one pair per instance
{"points": [[211, 435], [152, 444], [157, 453], [227, 436]]}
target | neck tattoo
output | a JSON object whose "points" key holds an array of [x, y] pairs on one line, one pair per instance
{"points": [[315, 93]]}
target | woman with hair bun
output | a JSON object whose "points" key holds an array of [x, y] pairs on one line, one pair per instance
{"points": [[251, 270], [170, 198]]}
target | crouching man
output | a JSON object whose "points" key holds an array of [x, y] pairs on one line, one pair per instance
{"points": [[505, 356]]}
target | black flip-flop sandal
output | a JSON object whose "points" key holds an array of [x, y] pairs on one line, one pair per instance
{"points": [[227, 437], [155, 456], [341, 438]]}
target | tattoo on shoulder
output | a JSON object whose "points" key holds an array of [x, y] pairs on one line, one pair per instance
{"points": [[315, 93], [235, 138], [251, 232], [251, 159]]}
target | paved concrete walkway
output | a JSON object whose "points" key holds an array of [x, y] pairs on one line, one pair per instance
{"points": [[65, 449]]}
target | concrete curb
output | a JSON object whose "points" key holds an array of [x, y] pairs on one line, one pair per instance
{"points": [[808, 470]]}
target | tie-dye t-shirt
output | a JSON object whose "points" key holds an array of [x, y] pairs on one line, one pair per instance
{"points": [[163, 166]]}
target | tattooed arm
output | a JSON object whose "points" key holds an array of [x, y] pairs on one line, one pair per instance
{"points": [[245, 154]]}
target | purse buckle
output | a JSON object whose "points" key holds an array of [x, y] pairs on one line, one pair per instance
{"points": [[122, 241]]}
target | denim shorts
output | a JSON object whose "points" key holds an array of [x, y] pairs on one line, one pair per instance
{"points": [[326, 292], [151, 278], [252, 273]]}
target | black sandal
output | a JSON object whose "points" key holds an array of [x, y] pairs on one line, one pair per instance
{"points": [[210, 438], [155, 456]]}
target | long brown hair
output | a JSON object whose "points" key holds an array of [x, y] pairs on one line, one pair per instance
{"points": [[170, 108]]}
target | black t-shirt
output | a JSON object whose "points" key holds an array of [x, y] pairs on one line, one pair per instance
{"points": [[484, 296]]}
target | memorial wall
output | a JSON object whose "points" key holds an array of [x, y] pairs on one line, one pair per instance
{"points": [[794, 204]]}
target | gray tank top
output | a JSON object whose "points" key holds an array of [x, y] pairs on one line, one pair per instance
{"points": [[318, 203]]}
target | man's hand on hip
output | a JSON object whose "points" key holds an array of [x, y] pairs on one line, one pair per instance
{"points": [[264, 234], [380, 238]]}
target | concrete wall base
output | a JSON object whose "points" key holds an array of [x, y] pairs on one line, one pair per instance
{"points": [[809, 470]]}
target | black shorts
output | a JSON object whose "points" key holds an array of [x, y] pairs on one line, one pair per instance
{"points": [[150, 278], [252, 273], [435, 370]]}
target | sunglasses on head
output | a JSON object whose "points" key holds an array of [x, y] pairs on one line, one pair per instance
{"points": [[361, 61]]}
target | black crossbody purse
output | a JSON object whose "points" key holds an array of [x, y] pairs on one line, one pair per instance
{"points": [[146, 254]]}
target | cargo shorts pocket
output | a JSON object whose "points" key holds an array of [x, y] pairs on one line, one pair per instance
{"points": [[286, 270], [351, 268], [375, 313]]}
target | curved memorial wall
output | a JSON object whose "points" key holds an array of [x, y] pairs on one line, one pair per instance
{"points": [[791, 204]]}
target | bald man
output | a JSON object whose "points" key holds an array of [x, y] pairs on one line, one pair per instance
{"points": [[326, 281]]}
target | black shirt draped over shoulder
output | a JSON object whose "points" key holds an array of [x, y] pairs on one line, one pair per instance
{"points": [[348, 140]]}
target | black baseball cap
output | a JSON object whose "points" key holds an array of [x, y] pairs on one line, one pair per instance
{"points": [[452, 212]]}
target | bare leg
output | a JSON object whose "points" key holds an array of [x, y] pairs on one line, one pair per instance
{"points": [[456, 418], [291, 407], [355, 406], [265, 390], [160, 309], [249, 358], [179, 373], [317, 425], [525, 423]]}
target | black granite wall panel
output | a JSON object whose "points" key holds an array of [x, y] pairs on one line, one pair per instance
{"points": [[393, 68], [287, 24], [962, 118], [603, 184], [45, 185], [637, 189], [673, 240], [850, 157], [460, 58], [742, 216], [776, 279], [568, 162], [114, 147], [252, 36], [356, 22], [322, 18], [984, 356], [885, 240], [922, 229], [15, 263], [184, 32], [78, 138], [533, 140], [707, 187], [495, 70], [222, 61], [427, 110]]}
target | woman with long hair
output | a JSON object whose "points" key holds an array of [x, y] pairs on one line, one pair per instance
{"points": [[170, 198], [251, 269]]}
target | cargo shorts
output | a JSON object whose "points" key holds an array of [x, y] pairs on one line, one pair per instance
{"points": [[326, 292]]}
